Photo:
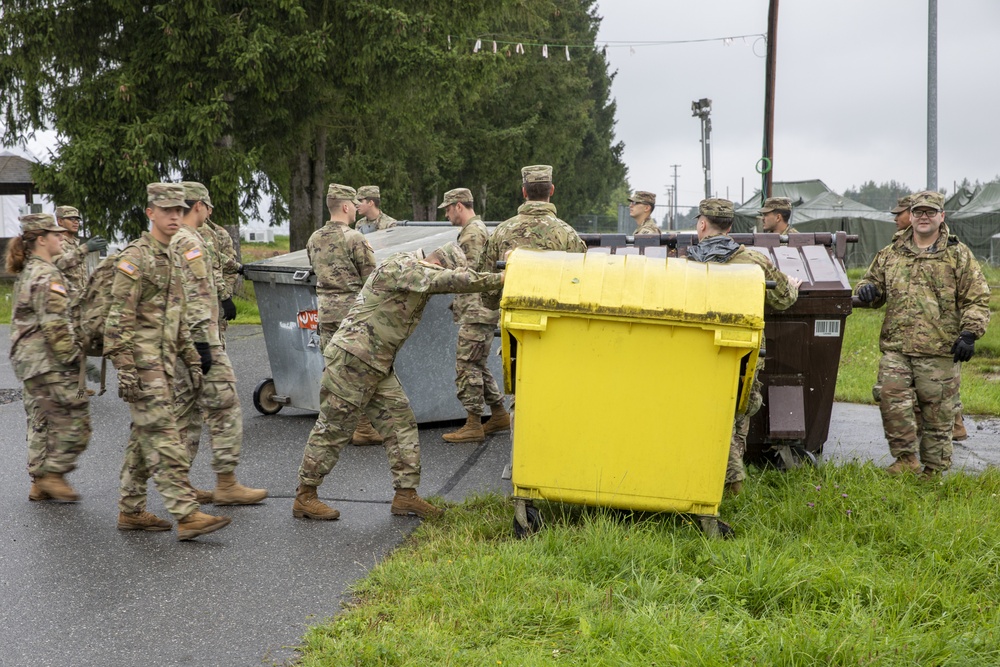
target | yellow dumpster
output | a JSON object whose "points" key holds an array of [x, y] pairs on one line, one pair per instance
{"points": [[626, 372]]}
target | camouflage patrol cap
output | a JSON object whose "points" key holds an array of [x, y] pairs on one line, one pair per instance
{"points": [[537, 173], [165, 195], [450, 255], [928, 199], [716, 208], [338, 191], [39, 222], [67, 212], [902, 204], [776, 204], [455, 196], [195, 191], [369, 192], [643, 197]]}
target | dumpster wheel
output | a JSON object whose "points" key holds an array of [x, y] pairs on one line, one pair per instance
{"points": [[263, 398], [527, 519]]}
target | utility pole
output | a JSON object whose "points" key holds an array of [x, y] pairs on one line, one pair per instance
{"points": [[701, 109], [673, 218], [767, 162], [932, 167]]}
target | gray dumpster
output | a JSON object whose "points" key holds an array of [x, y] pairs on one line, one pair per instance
{"points": [[286, 297]]}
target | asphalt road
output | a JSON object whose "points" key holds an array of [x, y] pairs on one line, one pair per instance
{"points": [[76, 591]]}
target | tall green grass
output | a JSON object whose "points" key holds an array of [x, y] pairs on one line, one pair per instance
{"points": [[6, 300], [835, 565]]}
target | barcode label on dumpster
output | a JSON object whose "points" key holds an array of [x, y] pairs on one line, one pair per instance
{"points": [[828, 328], [308, 319]]}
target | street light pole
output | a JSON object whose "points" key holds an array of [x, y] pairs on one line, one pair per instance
{"points": [[701, 109]]}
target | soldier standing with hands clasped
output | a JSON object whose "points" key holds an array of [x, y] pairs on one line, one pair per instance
{"points": [[937, 306], [46, 357], [143, 336], [476, 324]]}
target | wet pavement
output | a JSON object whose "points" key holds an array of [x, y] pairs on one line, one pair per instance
{"points": [[76, 591]]}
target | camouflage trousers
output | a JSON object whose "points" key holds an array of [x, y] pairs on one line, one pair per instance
{"points": [[155, 450], [735, 471], [351, 388], [223, 325], [932, 383], [326, 331], [217, 406], [58, 422], [476, 386]]}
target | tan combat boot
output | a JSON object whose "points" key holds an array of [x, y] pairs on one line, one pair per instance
{"points": [[959, 432], [308, 506], [471, 431], [930, 475], [406, 502], [53, 485], [230, 492], [202, 496], [35, 493], [734, 488], [142, 521], [198, 523], [904, 464], [365, 434], [499, 420]]}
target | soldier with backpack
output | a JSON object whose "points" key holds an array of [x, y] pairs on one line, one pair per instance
{"points": [[46, 357], [217, 400], [143, 336]]}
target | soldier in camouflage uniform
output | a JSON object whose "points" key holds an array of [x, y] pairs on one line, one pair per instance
{"points": [[715, 219], [73, 260], [476, 324], [359, 376], [937, 302], [370, 206], [342, 261], [46, 357], [775, 215], [143, 336], [640, 208], [217, 401], [534, 226], [226, 269]]}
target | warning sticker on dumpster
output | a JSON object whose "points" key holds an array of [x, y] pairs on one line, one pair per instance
{"points": [[308, 319], [828, 328]]}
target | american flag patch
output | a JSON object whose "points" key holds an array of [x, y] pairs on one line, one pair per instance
{"points": [[58, 288], [193, 253], [127, 267]]}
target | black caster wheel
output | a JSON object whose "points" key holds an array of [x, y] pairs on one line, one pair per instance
{"points": [[263, 398]]}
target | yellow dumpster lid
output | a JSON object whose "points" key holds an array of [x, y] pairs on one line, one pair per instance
{"points": [[635, 287]]}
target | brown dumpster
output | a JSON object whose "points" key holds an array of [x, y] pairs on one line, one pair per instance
{"points": [[803, 343]]}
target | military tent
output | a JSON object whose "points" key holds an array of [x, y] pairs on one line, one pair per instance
{"points": [[977, 221]]}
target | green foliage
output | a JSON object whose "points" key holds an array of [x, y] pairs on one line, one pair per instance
{"points": [[831, 565], [881, 197], [6, 300]]}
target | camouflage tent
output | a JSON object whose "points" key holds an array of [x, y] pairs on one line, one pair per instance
{"points": [[816, 208]]}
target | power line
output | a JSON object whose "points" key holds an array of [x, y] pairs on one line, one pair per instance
{"points": [[607, 43]]}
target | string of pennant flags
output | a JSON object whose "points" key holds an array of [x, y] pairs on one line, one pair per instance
{"points": [[521, 45]]}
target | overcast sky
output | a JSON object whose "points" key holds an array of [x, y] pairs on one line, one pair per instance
{"points": [[850, 96]]}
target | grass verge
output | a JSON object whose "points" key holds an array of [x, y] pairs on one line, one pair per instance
{"points": [[832, 565]]}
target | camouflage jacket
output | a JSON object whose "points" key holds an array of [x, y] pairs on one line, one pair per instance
{"points": [[42, 339], [931, 296], [201, 312], [469, 308], [534, 226], [145, 328], [724, 250], [73, 265], [390, 304], [342, 261], [366, 226], [647, 227], [224, 260]]}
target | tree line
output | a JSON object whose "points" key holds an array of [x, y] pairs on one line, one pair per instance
{"points": [[259, 97]]}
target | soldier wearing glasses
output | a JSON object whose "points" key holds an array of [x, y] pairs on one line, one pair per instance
{"points": [[640, 208]]}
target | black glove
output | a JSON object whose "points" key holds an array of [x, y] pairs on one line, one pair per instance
{"points": [[206, 357], [241, 270], [868, 293], [96, 244], [964, 346], [228, 309]]}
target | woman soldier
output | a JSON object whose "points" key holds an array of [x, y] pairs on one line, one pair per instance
{"points": [[46, 358]]}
